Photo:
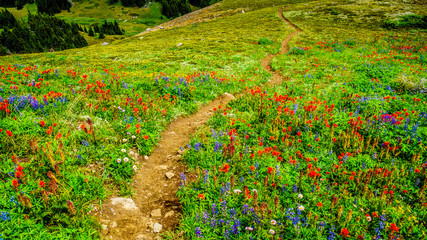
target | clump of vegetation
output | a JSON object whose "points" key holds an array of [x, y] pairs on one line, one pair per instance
{"points": [[265, 41], [407, 21]]}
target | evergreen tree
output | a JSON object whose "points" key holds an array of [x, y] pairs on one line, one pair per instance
{"points": [[91, 33], [40, 33], [52, 6], [111, 2], [3, 50], [7, 19], [175, 8], [101, 35]]}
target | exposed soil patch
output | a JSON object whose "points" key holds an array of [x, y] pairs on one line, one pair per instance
{"points": [[155, 207]]}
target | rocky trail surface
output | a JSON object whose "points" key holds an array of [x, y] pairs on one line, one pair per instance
{"points": [[155, 208]]}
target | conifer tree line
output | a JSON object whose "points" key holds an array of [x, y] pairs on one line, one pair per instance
{"points": [[43, 6], [170, 8], [40, 33], [106, 28]]}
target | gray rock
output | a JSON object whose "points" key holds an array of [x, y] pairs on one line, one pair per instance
{"points": [[104, 44], [157, 227], [156, 213]]}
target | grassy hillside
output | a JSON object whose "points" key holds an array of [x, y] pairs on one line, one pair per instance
{"points": [[133, 19]]}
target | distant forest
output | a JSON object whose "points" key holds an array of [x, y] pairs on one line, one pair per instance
{"points": [[170, 8], [43, 31]]}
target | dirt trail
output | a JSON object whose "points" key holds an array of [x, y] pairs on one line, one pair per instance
{"points": [[277, 77], [157, 180]]}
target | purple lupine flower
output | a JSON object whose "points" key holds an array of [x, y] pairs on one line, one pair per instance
{"points": [[198, 232], [214, 209]]}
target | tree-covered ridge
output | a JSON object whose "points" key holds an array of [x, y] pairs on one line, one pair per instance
{"points": [[39, 34]]}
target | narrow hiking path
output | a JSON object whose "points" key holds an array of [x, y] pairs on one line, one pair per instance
{"points": [[277, 77], [155, 205]]}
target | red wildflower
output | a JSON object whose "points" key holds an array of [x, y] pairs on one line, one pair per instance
{"points": [[15, 183], [42, 184], [405, 191], [225, 168], [417, 170], [9, 133], [320, 204], [201, 196], [270, 170], [42, 123], [298, 134], [394, 228], [312, 174], [252, 168], [345, 232], [146, 137]]}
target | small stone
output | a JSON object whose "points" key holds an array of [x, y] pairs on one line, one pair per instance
{"points": [[165, 185], [156, 213], [104, 227], [157, 227], [179, 44], [162, 167], [228, 95], [113, 224], [126, 203], [170, 175], [141, 237], [169, 214]]}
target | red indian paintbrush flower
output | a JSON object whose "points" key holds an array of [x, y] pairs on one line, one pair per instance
{"points": [[225, 168], [394, 228], [345, 232], [15, 183]]}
